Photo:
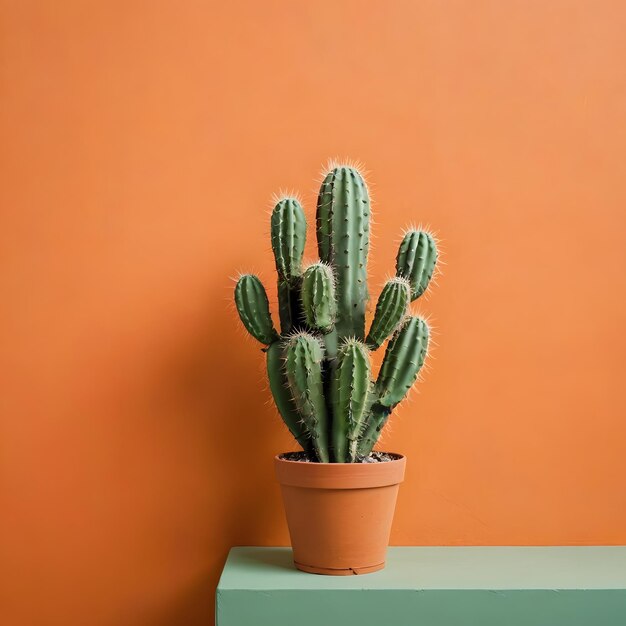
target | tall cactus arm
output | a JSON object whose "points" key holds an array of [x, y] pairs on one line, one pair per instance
{"points": [[282, 396], [390, 310], [416, 260], [303, 367], [403, 360], [318, 297], [288, 231], [288, 234], [349, 391], [323, 218], [254, 309], [343, 232]]}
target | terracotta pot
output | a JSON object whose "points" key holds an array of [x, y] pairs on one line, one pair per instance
{"points": [[339, 514]]}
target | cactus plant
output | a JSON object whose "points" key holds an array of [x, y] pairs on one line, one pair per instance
{"points": [[319, 365]]}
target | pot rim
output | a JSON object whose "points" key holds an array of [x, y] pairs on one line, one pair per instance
{"points": [[340, 475]]}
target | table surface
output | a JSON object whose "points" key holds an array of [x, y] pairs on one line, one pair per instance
{"points": [[440, 568]]}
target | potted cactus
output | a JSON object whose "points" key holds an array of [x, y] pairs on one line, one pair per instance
{"points": [[339, 495]]}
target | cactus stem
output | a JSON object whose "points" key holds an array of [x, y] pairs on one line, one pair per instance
{"points": [[319, 367]]}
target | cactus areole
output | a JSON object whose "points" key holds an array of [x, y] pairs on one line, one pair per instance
{"points": [[318, 365]]}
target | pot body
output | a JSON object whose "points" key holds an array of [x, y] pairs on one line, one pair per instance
{"points": [[339, 514]]}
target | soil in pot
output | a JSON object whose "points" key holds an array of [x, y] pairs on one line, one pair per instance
{"points": [[372, 457]]}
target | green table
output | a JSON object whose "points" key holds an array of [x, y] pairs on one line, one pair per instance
{"points": [[434, 586]]}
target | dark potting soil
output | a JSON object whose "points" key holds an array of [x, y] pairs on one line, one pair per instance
{"points": [[372, 457]]}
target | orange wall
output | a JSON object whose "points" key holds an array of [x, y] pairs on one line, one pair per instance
{"points": [[141, 142]]}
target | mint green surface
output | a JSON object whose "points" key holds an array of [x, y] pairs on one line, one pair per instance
{"points": [[434, 586]]}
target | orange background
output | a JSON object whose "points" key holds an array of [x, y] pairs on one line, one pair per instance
{"points": [[141, 143]]}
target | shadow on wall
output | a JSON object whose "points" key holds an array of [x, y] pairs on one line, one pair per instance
{"points": [[212, 398], [193, 606]]}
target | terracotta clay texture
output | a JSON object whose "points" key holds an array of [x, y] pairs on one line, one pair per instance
{"points": [[339, 514]]}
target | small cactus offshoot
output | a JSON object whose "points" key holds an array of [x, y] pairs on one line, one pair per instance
{"points": [[318, 366]]}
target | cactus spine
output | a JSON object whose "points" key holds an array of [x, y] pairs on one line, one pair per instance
{"points": [[319, 366]]}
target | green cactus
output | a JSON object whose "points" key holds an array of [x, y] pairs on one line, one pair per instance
{"points": [[403, 359], [416, 260], [318, 297], [401, 364], [254, 308], [390, 310], [319, 366], [288, 306], [279, 387], [349, 394], [288, 234], [343, 234], [303, 366]]}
